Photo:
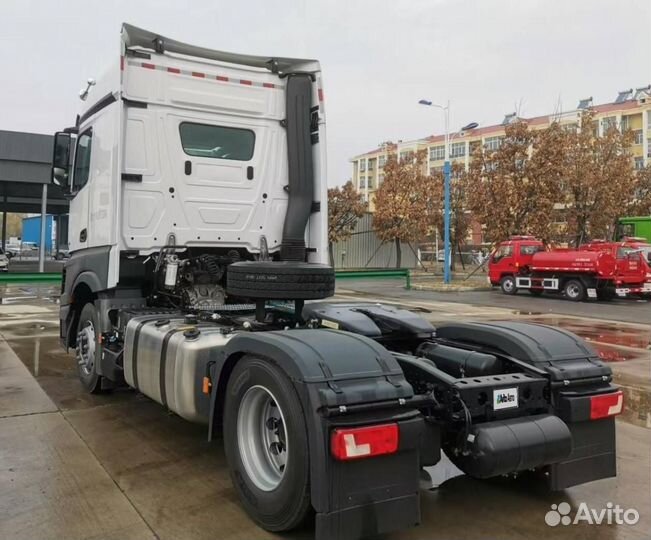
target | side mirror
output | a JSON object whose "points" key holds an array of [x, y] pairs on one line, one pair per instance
{"points": [[61, 160]]}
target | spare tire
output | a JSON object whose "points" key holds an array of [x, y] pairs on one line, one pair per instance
{"points": [[285, 280]]}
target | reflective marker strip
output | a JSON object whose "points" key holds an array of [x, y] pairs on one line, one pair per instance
{"points": [[201, 75]]}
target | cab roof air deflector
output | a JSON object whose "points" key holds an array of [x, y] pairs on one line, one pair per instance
{"points": [[133, 36]]}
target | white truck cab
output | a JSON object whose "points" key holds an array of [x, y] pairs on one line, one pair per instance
{"points": [[182, 145]]}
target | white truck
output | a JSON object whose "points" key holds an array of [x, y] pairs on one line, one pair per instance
{"points": [[198, 231]]}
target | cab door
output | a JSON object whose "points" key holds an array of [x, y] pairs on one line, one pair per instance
{"points": [[502, 262], [630, 267], [78, 223]]}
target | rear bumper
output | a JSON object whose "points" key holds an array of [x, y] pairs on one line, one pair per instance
{"points": [[634, 290]]}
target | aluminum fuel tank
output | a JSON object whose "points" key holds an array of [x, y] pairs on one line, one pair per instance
{"points": [[165, 358]]}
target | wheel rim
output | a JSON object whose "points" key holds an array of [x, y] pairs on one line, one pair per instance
{"points": [[508, 285], [262, 439], [86, 348], [573, 290]]}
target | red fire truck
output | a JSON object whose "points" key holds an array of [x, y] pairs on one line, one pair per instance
{"points": [[597, 270]]}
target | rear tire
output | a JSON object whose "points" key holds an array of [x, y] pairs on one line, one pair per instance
{"points": [[574, 290], [265, 441], [88, 351], [507, 284]]}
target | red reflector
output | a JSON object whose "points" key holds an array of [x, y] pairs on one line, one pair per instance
{"points": [[606, 405], [173, 70], [320, 93], [268, 85], [148, 66], [244, 81], [198, 74], [356, 443], [121, 63], [221, 78]]}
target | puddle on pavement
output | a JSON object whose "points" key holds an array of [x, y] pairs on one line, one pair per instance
{"points": [[612, 354], [38, 292], [55, 370], [605, 337], [20, 329]]}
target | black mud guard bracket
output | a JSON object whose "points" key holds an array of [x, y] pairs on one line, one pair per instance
{"points": [[335, 369]]}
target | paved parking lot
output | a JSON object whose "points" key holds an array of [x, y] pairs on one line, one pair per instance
{"points": [[119, 466]]}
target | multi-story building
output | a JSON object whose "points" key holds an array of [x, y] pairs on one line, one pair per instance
{"points": [[630, 110]]}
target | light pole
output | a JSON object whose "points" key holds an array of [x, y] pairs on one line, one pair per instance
{"points": [[446, 176]]}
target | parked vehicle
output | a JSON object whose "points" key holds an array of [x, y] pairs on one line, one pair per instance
{"points": [[12, 249], [189, 271], [639, 226], [61, 254], [4, 261], [522, 262], [633, 256]]}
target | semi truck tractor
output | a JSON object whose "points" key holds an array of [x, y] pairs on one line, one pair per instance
{"points": [[594, 271], [197, 276]]}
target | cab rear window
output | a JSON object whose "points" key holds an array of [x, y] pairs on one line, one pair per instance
{"points": [[217, 142]]}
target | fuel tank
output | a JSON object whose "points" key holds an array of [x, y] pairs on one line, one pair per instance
{"points": [[165, 358], [588, 262]]}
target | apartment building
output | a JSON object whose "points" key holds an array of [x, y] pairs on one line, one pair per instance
{"points": [[630, 110]]}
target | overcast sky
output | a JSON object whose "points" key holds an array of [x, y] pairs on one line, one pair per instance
{"points": [[379, 57]]}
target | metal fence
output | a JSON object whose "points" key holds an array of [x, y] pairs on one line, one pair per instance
{"points": [[365, 250]]}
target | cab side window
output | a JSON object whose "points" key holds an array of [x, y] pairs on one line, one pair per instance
{"points": [[503, 251], [82, 160], [623, 251]]}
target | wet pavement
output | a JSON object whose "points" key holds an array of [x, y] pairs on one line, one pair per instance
{"points": [[118, 466]]}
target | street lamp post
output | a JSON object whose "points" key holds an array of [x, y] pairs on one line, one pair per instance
{"points": [[446, 175]]}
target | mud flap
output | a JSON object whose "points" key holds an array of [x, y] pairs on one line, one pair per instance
{"points": [[593, 455], [372, 496]]}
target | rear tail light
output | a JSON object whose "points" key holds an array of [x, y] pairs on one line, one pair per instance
{"points": [[606, 405], [364, 442]]}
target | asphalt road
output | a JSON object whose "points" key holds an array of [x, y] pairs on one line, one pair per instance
{"points": [[626, 310], [119, 466]]}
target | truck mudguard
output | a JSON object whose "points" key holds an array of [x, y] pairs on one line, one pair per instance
{"points": [[575, 373], [545, 347], [338, 369]]}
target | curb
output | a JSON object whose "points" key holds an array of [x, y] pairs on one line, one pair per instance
{"points": [[442, 287]]}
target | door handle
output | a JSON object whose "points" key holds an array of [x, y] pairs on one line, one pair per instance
{"points": [[82, 235], [188, 167], [249, 173]]}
